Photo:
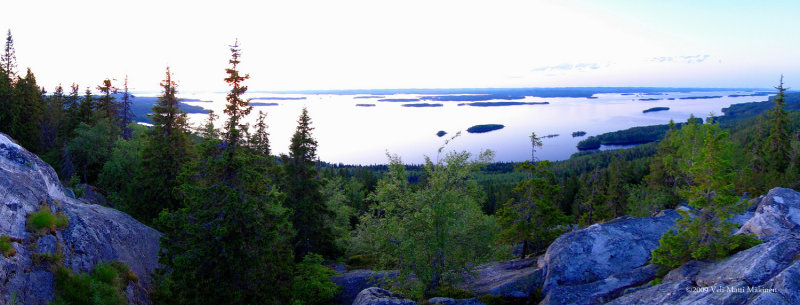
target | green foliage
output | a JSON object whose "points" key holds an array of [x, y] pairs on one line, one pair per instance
{"points": [[589, 143], [125, 162], [302, 186], [312, 282], [229, 243], [43, 221], [435, 231], [91, 147], [6, 247], [164, 152], [701, 160], [335, 193], [531, 217], [450, 291], [105, 285]]}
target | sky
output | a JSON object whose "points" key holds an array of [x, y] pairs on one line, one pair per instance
{"points": [[343, 44]]}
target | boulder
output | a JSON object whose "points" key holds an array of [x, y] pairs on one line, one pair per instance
{"points": [[378, 296], [449, 301], [353, 282], [768, 273], [95, 233], [777, 213], [517, 278], [93, 195], [604, 258]]}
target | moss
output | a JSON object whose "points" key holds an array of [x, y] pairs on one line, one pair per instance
{"points": [[656, 281], [454, 292], [6, 247], [44, 222]]}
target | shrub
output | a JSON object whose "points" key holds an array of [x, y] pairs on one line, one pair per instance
{"points": [[312, 284], [450, 291], [105, 285], [44, 221], [6, 247]]}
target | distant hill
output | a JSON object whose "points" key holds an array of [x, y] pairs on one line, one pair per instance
{"points": [[142, 106]]}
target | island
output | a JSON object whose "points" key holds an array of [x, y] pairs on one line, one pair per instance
{"points": [[471, 97], [551, 136], [399, 100], [650, 99], [654, 109], [277, 98], [485, 128], [263, 104], [422, 105], [498, 104], [365, 105], [700, 97], [369, 96], [441, 133], [142, 106], [578, 134]]}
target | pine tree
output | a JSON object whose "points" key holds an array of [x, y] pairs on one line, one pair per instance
{"points": [[237, 107], [166, 151], [25, 126], [8, 108], [107, 103], [302, 186], [85, 111]]}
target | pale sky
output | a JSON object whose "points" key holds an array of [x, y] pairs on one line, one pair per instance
{"points": [[343, 44]]}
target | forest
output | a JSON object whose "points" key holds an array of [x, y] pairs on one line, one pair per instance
{"points": [[242, 225]]}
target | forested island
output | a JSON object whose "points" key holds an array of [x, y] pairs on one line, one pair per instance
{"points": [[263, 104], [422, 105], [654, 109], [500, 104], [485, 128], [279, 98], [100, 209]]}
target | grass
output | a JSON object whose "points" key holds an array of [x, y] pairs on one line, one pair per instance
{"points": [[6, 247], [104, 285], [44, 222]]}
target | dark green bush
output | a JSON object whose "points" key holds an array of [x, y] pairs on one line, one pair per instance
{"points": [[312, 284], [104, 286], [44, 221]]}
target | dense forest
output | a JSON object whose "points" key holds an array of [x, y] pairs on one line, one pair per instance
{"points": [[244, 226]]}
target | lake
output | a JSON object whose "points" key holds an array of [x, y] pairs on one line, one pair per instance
{"points": [[352, 134]]}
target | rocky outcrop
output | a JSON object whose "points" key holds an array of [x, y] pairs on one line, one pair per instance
{"points": [[94, 233], [378, 296], [353, 282], [765, 274], [598, 263], [777, 213], [517, 278], [449, 301]]}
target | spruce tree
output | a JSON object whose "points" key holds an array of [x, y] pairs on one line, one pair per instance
{"points": [[107, 103], [302, 186], [8, 60], [777, 146], [166, 150], [125, 115], [25, 125], [230, 243]]}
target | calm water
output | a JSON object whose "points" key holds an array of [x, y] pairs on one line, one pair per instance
{"points": [[362, 135]]}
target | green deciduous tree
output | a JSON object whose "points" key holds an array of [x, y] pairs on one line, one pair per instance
{"points": [[435, 231]]}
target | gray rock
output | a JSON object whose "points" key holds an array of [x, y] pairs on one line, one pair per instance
{"points": [[768, 273], [378, 296], [95, 233], [777, 213], [602, 250], [515, 278], [353, 282], [449, 301], [600, 291], [93, 195]]}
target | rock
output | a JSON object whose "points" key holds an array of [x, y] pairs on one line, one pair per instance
{"points": [[777, 213], [94, 234], [602, 290], [449, 301], [768, 273], [378, 296], [602, 260], [353, 282], [515, 278], [93, 195]]}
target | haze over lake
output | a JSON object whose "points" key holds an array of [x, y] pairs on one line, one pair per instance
{"points": [[351, 131]]}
